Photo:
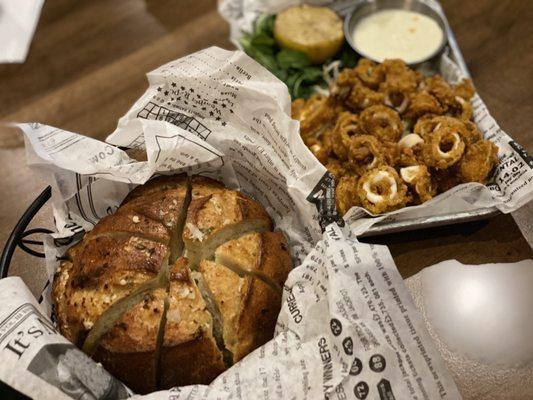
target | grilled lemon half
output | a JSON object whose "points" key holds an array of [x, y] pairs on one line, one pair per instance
{"points": [[315, 31]]}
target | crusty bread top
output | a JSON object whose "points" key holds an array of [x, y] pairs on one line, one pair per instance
{"points": [[136, 245]]}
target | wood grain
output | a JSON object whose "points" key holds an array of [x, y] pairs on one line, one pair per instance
{"points": [[88, 61]]}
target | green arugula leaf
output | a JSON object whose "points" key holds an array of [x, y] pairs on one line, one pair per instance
{"points": [[312, 73], [264, 24], [246, 41], [262, 39], [292, 59], [265, 59], [281, 74], [290, 66]]}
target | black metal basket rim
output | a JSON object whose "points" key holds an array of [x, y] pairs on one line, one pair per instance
{"points": [[19, 233]]}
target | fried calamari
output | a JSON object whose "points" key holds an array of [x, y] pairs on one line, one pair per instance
{"points": [[381, 190], [382, 122], [391, 137], [478, 162]]}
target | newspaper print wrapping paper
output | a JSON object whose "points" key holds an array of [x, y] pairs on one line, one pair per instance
{"points": [[511, 186], [347, 329]]}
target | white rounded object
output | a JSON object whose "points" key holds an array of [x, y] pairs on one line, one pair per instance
{"points": [[481, 319], [396, 33]]}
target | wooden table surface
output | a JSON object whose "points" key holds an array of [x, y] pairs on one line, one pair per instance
{"points": [[87, 65]]}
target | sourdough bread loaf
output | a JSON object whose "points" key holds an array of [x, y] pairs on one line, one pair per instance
{"points": [[182, 281]]}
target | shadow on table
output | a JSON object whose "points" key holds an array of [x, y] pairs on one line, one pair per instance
{"points": [[495, 240]]}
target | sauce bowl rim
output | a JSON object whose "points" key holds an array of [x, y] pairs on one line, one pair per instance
{"points": [[353, 18]]}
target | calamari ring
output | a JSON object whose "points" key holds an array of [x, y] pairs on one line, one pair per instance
{"points": [[461, 108], [465, 89], [316, 115], [443, 148], [397, 99], [438, 87], [346, 79], [347, 125], [399, 76], [365, 153], [467, 129], [478, 161], [452, 123], [369, 72], [382, 122], [419, 179], [425, 125], [400, 82], [361, 97], [346, 194], [410, 148], [381, 190], [422, 103], [335, 168]]}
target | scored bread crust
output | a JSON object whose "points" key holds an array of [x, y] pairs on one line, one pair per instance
{"points": [[189, 351], [127, 351], [249, 305], [168, 339]]}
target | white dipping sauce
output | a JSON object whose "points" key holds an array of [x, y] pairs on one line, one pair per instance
{"points": [[394, 33]]}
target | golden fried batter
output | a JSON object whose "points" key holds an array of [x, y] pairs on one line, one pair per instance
{"points": [[473, 132], [391, 152], [381, 190], [422, 103], [369, 72], [465, 89], [365, 153], [399, 76], [321, 149], [347, 125], [346, 194], [347, 77], [461, 108], [438, 87], [445, 179], [410, 150], [346, 80], [335, 168], [382, 122], [418, 179], [425, 125], [361, 97], [443, 148], [315, 115], [400, 82], [297, 107], [478, 162], [466, 129]]}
